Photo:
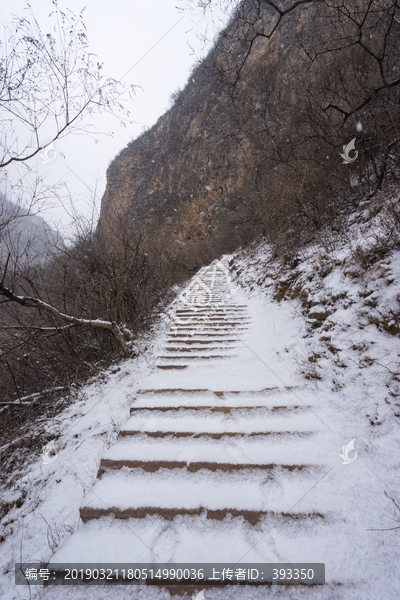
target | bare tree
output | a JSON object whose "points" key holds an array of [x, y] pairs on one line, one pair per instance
{"points": [[303, 78], [48, 83], [30, 302]]}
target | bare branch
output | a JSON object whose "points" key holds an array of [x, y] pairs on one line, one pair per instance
{"points": [[30, 302]]}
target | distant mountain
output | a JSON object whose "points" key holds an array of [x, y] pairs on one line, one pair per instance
{"points": [[27, 236]]}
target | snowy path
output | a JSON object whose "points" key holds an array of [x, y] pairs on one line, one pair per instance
{"points": [[228, 455]]}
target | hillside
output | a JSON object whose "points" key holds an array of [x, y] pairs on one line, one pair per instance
{"points": [[306, 362], [248, 251]]}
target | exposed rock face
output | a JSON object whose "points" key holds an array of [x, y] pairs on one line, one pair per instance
{"points": [[214, 170], [179, 180], [185, 182]]}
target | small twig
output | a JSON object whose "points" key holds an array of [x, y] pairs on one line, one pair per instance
{"points": [[398, 508], [32, 396], [384, 366], [13, 378], [6, 267], [389, 529], [37, 328]]}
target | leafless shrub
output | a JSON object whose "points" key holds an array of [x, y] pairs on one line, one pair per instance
{"points": [[56, 533], [396, 512], [298, 104]]}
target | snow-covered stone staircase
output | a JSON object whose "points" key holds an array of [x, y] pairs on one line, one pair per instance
{"points": [[221, 459], [196, 433], [200, 433]]}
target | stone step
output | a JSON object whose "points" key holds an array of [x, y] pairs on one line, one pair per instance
{"points": [[170, 391], [197, 337], [190, 340], [217, 400], [218, 393], [229, 319], [255, 490], [204, 330], [226, 305], [192, 422], [218, 298], [214, 306], [208, 329], [199, 332], [207, 302], [288, 537], [167, 367], [204, 342], [214, 317], [198, 357], [252, 517], [217, 409], [214, 436], [212, 312], [207, 325], [152, 466], [209, 314], [309, 593], [212, 349], [217, 322], [245, 453], [175, 349]]}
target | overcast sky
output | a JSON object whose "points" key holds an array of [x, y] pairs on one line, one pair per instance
{"points": [[149, 40]]}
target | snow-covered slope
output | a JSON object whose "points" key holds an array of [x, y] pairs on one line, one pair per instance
{"points": [[244, 447]]}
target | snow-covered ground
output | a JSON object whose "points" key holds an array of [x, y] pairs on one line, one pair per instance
{"points": [[331, 376]]}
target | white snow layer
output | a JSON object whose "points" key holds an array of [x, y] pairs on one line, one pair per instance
{"points": [[329, 512]]}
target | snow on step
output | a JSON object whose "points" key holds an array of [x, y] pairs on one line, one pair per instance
{"points": [[275, 539], [229, 313], [205, 326], [217, 321], [243, 421], [214, 346], [209, 491], [171, 366], [192, 540], [218, 393], [211, 347], [175, 411], [227, 399], [199, 335], [183, 342], [196, 356], [241, 451]]}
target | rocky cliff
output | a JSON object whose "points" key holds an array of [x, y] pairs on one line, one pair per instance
{"points": [[269, 105], [184, 181]]}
